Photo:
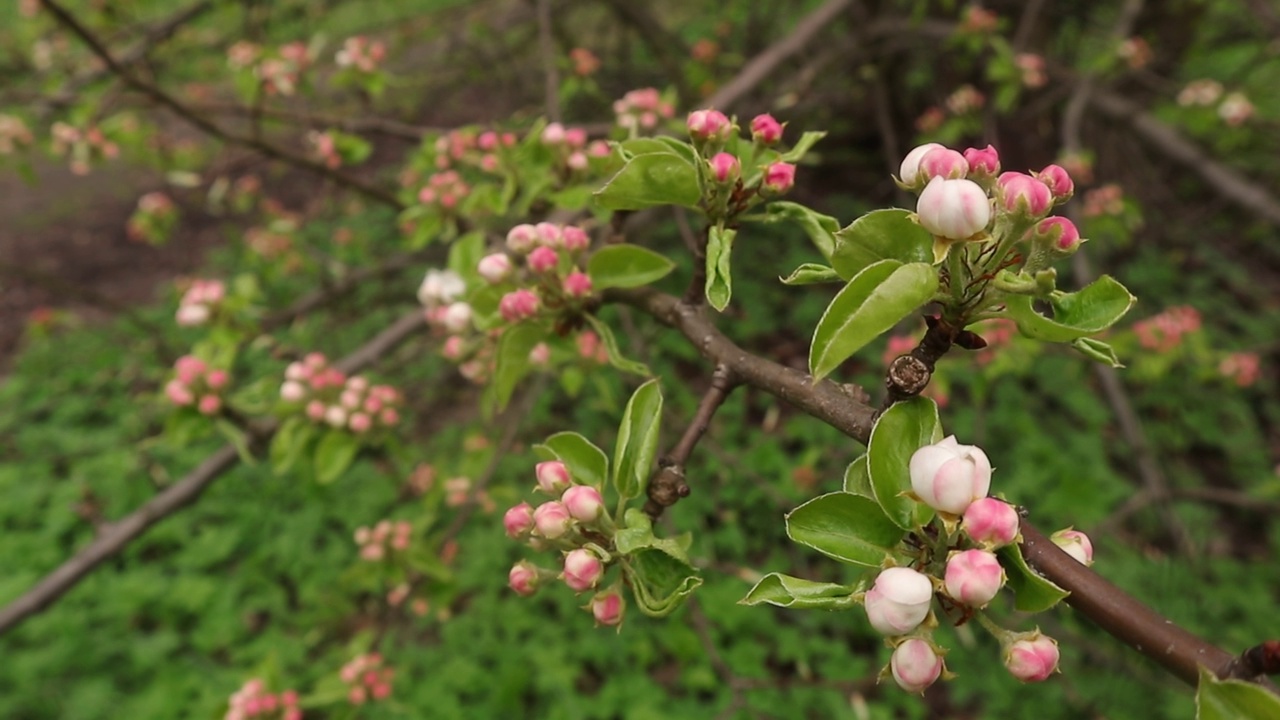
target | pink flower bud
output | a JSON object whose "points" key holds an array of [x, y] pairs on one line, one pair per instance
{"points": [[360, 422], [584, 503], [1076, 544], [1058, 234], [452, 350], [973, 577], [1032, 659], [210, 404], [953, 209], [582, 570], [1022, 194], [575, 137], [179, 393], [553, 477], [522, 238], [523, 578], [349, 399], [915, 665], [577, 284], [335, 416], [899, 601], [909, 171], [518, 305], [315, 410], [389, 416], [192, 315], [1059, 181], [709, 126], [949, 476], [983, 164], [991, 522], [779, 177], [608, 608], [518, 520], [292, 391], [543, 259], [551, 519], [574, 238], [188, 368], [488, 141], [494, 268], [549, 234], [553, 134], [725, 168], [297, 372], [944, 163], [540, 355], [765, 129], [599, 149], [457, 317]]}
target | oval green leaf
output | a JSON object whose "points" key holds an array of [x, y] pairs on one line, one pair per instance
{"points": [[888, 234], [850, 528], [513, 361], [873, 302], [820, 228], [811, 274], [1075, 315], [659, 581], [651, 180], [637, 440], [611, 348], [857, 478], [1032, 593], [793, 592], [902, 429], [1233, 699], [334, 454], [587, 463], [719, 281], [626, 266]]}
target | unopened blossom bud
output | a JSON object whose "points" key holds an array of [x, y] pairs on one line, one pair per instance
{"points": [[540, 355], [779, 178], [523, 578], [709, 126], [577, 284], [584, 503], [188, 368], [1023, 195], [765, 129], [575, 137], [522, 238], [953, 209], [209, 405], [915, 665], [549, 234], [335, 415], [192, 315], [574, 238], [973, 577], [457, 317], [608, 608], [1058, 234], [909, 171], [984, 164], [553, 477], [292, 391], [1059, 182], [944, 163], [582, 570], [441, 286], [217, 379], [553, 134], [518, 520], [949, 476], [551, 519], [360, 422], [725, 168], [494, 268], [316, 410], [543, 259], [1032, 659], [1076, 544], [991, 522], [899, 601], [518, 305]]}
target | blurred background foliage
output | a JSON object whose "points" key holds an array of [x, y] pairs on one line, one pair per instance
{"points": [[261, 577]]}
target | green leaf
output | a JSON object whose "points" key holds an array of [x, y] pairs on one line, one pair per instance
{"points": [[881, 235], [792, 592], [637, 440], [650, 180], [334, 454], [660, 582], [611, 347], [289, 443], [465, 254], [1097, 351], [802, 146], [1075, 315], [719, 281], [648, 146], [237, 438], [513, 361], [857, 478], [873, 301], [850, 528], [638, 535], [820, 228], [904, 428], [587, 463], [1233, 699], [811, 274], [1032, 592], [626, 266]]}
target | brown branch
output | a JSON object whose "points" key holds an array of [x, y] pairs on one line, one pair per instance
{"points": [[116, 535], [163, 98], [668, 484], [547, 48]]}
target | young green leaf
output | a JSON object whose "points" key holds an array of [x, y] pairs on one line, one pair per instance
{"points": [[802, 146], [650, 180], [850, 528], [611, 347], [820, 228], [1032, 593], [719, 280], [587, 463], [513, 361], [811, 274], [1097, 351], [857, 478], [1075, 315], [1233, 699], [880, 235], [660, 582], [904, 428], [626, 266], [637, 440], [792, 592], [334, 454]]}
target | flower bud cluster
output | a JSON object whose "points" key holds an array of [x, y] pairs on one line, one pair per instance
{"points": [[200, 302], [489, 150], [361, 53], [569, 145], [726, 195], [444, 190], [280, 72], [367, 678], [252, 701], [197, 385], [1164, 332], [383, 539], [153, 220], [82, 147], [641, 110], [326, 395], [14, 134]]}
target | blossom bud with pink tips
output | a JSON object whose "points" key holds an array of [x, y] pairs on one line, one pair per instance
{"points": [[909, 171], [543, 259], [584, 503], [549, 234], [1076, 544], [1059, 182], [949, 476], [984, 164], [577, 284], [990, 522], [709, 126], [1032, 658], [944, 163], [209, 405], [292, 391], [553, 134], [574, 238], [1023, 195], [553, 477], [953, 209], [522, 238], [518, 305], [518, 520], [540, 355], [457, 317], [779, 178], [179, 393], [552, 520], [765, 129], [608, 607], [973, 577], [725, 168], [494, 268], [523, 578], [915, 665], [899, 601], [582, 570], [1058, 235]]}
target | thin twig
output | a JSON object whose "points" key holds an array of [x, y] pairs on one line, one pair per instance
{"points": [[668, 484], [547, 48]]}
